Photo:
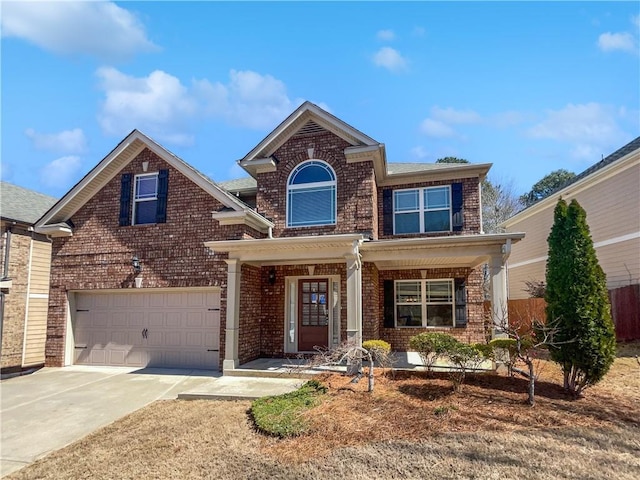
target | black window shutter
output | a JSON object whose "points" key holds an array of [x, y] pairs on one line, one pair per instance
{"points": [[163, 188], [125, 199], [457, 202], [461, 302], [389, 304], [387, 211]]}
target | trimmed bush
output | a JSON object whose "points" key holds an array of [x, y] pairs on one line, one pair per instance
{"points": [[376, 345], [281, 415]]}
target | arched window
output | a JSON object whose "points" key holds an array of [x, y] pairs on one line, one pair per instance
{"points": [[311, 195]]}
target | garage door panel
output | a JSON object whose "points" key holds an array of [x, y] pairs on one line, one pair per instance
{"points": [[154, 329], [155, 300], [174, 319]]}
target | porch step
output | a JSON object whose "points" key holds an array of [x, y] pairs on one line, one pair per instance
{"points": [[247, 372]]}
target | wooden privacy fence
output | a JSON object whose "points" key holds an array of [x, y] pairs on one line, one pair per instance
{"points": [[625, 310]]}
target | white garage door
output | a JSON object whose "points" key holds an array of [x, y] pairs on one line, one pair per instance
{"points": [[148, 329]]}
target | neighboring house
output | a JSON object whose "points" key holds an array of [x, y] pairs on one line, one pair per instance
{"points": [[25, 259], [325, 242], [609, 191]]}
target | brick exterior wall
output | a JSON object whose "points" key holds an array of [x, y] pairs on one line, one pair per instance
{"points": [[356, 207], [15, 300], [473, 333], [471, 208], [172, 254], [371, 313], [250, 313]]}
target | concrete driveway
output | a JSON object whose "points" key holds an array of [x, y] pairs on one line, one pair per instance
{"points": [[54, 407]]}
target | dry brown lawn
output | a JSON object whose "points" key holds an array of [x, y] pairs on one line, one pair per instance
{"points": [[412, 426]]}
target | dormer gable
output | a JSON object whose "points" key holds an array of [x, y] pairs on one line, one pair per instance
{"points": [[307, 120]]}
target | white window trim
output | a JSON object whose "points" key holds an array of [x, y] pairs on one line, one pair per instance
{"points": [[136, 200], [424, 303], [304, 186], [421, 210]]}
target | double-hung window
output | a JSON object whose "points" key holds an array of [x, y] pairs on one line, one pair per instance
{"points": [[311, 195], [145, 199], [424, 303], [422, 210]]}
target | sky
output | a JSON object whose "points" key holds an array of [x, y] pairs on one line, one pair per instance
{"points": [[528, 86]]}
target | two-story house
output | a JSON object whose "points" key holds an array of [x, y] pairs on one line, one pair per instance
{"points": [[156, 264]]}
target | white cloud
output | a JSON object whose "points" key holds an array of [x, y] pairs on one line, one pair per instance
{"points": [[67, 141], [249, 99], [591, 128], [624, 41], [390, 59], [61, 172], [162, 106], [100, 29], [451, 115], [157, 104], [436, 128], [635, 20], [385, 35]]}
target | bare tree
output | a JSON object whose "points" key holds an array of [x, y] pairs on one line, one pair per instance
{"points": [[347, 353], [524, 340]]}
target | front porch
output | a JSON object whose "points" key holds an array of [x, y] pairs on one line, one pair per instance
{"points": [[349, 288], [300, 367]]}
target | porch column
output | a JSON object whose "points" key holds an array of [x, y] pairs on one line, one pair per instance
{"points": [[232, 328], [498, 274], [354, 299]]}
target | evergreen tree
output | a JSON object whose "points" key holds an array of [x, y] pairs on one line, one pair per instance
{"points": [[577, 300]]}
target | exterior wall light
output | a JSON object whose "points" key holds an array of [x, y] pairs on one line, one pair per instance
{"points": [[272, 276], [135, 263]]}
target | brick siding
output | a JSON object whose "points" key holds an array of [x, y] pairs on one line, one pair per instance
{"points": [[356, 208], [15, 300], [172, 254], [471, 208]]}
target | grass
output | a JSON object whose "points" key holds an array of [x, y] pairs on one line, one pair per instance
{"points": [[485, 431], [282, 415]]}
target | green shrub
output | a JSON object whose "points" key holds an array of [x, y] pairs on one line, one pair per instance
{"points": [[376, 345], [281, 415], [430, 346], [485, 349], [509, 344]]}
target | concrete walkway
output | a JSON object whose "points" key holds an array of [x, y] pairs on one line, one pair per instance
{"points": [[54, 407]]}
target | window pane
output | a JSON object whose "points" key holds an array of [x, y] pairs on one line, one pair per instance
{"points": [[438, 221], [146, 212], [439, 292], [311, 173], [439, 316], [407, 223], [408, 292], [409, 316], [146, 187], [436, 197], [313, 206], [406, 200]]}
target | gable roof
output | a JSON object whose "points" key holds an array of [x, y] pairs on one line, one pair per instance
{"points": [[22, 205], [118, 158], [309, 119], [623, 155]]}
